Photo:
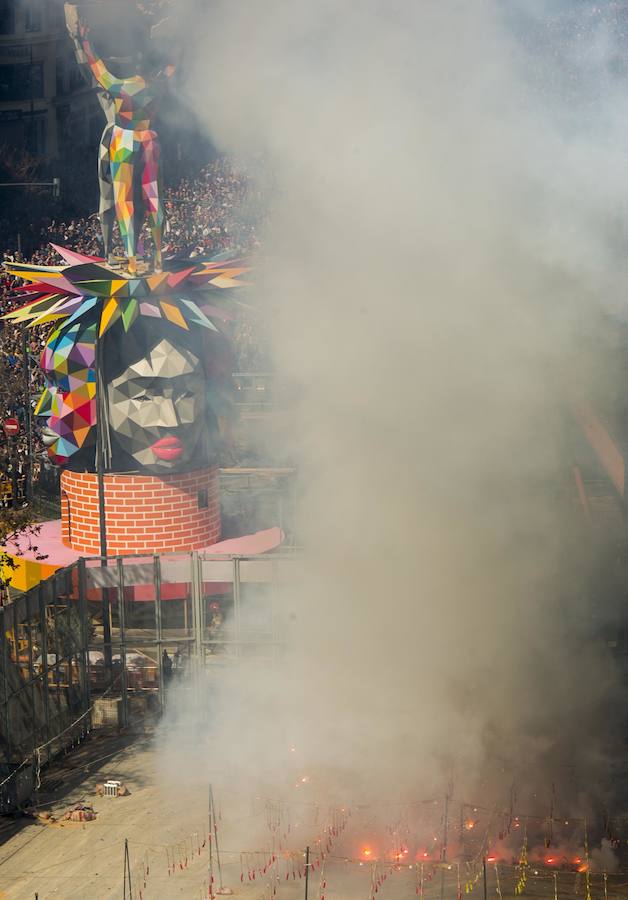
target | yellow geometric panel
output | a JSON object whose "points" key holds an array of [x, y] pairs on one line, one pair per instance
{"points": [[173, 313], [110, 313]]}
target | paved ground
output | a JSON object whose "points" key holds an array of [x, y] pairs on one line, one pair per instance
{"points": [[166, 825]]}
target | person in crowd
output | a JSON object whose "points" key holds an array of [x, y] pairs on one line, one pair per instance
{"points": [[166, 666]]}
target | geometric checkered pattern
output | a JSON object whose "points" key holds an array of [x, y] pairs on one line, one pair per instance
{"points": [[68, 402], [134, 154], [134, 148], [106, 208]]}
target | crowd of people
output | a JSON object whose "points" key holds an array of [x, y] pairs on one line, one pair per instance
{"points": [[216, 211]]}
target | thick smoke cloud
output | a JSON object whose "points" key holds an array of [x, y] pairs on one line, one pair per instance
{"points": [[444, 226]]}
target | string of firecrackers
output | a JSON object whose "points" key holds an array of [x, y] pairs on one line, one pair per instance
{"points": [[339, 818], [515, 819], [373, 877], [322, 882], [143, 871], [474, 867], [274, 817], [510, 818], [256, 864], [271, 889], [295, 868], [379, 878], [402, 827], [287, 827], [260, 862], [521, 870], [587, 874], [179, 856], [523, 864], [498, 886], [419, 887], [549, 822], [472, 877]]}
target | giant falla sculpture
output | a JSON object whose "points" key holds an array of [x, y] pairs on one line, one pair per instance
{"points": [[138, 366], [138, 359]]}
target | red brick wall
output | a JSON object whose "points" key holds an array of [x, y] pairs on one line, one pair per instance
{"points": [[143, 513]]}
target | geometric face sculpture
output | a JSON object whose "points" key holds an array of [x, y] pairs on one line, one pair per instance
{"points": [[149, 344], [157, 407], [68, 403]]}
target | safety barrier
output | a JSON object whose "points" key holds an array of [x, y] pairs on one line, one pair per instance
{"points": [[100, 643]]}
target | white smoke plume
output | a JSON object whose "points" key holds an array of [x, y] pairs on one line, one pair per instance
{"points": [[444, 227]]}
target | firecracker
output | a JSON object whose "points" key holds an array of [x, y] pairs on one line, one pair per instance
{"points": [[587, 872], [523, 865], [498, 887]]}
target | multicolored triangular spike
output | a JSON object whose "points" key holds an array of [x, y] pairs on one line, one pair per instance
{"points": [[55, 292], [73, 258]]}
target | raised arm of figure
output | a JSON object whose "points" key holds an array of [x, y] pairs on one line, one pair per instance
{"points": [[101, 73], [71, 21]]}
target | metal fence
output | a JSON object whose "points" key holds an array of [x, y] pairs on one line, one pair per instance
{"points": [[100, 643]]}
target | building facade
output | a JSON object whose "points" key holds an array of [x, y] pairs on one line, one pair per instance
{"points": [[44, 100]]}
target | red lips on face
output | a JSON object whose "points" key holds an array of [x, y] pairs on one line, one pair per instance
{"points": [[167, 448]]}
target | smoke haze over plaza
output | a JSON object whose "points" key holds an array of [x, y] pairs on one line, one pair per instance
{"points": [[445, 230], [438, 200]]}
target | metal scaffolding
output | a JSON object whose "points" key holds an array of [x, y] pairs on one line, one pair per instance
{"points": [[99, 643]]}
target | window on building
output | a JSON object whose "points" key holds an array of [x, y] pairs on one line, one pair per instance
{"points": [[22, 81], [7, 16], [32, 15]]}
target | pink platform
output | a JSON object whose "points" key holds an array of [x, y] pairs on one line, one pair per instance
{"points": [[48, 542]]}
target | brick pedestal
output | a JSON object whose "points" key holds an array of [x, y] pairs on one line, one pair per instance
{"points": [[143, 513]]}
